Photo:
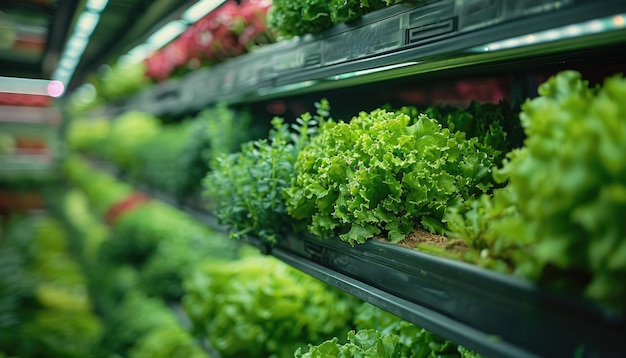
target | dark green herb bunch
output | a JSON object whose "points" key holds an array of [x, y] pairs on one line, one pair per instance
{"points": [[247, 186], [497, 126], [215, 131]]}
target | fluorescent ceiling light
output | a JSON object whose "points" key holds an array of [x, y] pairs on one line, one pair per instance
{"points": [[62, 72], [74, 51], [86, 24], [75, 46], [560, 33], [166, 34], [31, 86], [200, 9], [172, 30], [137, 54], [347, 75], [68, 62], [96, 5], [77, 42], [55, 88]]}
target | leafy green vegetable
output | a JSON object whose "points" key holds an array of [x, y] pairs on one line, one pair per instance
{"points": [[156, 161], [164, 245], [384, 172], [559, 220], [88, 134], [381, 334], [179, 253], [167, 342], [122, 79], [295, 18], [496, 126], [466, 353], [247, 186], [109, 286], [345, 10], [17, 284], [364, 343], [127, 133], [90, 231], [260, 307], [136, 317], [102, 190], [60, 333], [48, 312], [413, 341], [215, 132]]}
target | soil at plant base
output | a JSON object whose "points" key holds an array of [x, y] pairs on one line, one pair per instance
{"points": [[420, 236]]}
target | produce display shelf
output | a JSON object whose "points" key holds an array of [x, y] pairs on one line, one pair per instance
{"points": [[402, 40], [494, 314], [491, 313], [176, 308]]}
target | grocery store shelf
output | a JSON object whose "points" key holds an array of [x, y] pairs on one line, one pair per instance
{"points": [[491, 313], [30, 115], [395, 42], [191, 206], [431, 320]]}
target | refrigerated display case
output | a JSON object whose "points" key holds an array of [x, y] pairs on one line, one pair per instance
{"points": [[420, 53]]}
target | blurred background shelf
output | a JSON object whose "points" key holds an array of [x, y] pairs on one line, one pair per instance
{"points": [[489, 312], [466, 44]]}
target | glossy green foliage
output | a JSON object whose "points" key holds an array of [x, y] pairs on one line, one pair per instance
{"points": [[496, 126], [413, 341]]}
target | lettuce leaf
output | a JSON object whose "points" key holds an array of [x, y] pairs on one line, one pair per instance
{"points": [[559, 220], [385, 173]]}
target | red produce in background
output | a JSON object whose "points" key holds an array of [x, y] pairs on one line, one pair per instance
{"points": [[229, 31]]}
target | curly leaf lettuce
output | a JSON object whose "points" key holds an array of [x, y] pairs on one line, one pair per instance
{"points": [[292, 18], [560, 218], [384, 173], [260, 307], [364, 343]]}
